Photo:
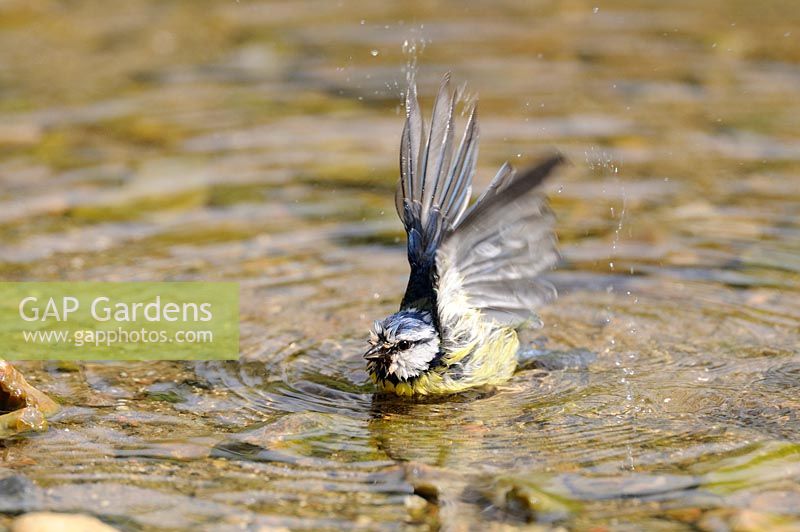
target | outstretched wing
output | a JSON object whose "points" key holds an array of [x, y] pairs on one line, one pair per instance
{"points": [[434, 188], [491, 259], [485, 258]]}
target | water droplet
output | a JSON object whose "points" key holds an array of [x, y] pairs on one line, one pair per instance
{"points": [[595, 10], [374, 53]]}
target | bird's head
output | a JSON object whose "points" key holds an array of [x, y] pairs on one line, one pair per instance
{"points": [[403, 345]]}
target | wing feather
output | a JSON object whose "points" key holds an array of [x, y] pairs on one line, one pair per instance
{"points": [[499, 248], [486, 257], [411, 144], [434, 186], [438, 150], [463, 170]]}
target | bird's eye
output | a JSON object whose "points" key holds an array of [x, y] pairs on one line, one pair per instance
{"points": [[403, 345]]}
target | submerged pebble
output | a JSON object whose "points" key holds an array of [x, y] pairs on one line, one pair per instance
{"points": [[25, 407], [57, 522]]}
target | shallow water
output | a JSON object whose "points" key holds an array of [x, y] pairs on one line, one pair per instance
{"points": [[257, 142]]}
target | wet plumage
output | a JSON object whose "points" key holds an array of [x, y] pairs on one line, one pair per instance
{"points": [[474, 269]]}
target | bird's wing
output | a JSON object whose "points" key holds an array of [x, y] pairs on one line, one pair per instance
{"points": [[435, 187], [491, 259]]}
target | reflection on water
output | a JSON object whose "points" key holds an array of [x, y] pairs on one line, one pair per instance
{"points": [[257, 142]]}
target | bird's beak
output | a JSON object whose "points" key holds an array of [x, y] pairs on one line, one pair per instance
{"points": [[373, 352]]}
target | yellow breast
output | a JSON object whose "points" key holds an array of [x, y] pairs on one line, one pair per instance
{"points": [[489, 363]]}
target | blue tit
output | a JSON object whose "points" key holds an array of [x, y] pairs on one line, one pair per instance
{"points": [[474, 268]]}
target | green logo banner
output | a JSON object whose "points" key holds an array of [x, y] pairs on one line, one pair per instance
{"points": [[119, 321]]}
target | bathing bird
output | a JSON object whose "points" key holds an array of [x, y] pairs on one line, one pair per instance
{"points": [[475, 268]]}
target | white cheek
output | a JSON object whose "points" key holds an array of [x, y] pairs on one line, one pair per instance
{"points": [[411, 364]]}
